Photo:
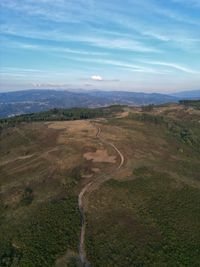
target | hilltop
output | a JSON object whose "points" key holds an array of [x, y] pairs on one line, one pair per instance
{"points": [[116, 186]]}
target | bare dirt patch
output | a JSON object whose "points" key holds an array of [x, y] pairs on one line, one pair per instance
{"points": [[123, 114], [95, 170], [72, 129], [73, 126], [100, 155]]}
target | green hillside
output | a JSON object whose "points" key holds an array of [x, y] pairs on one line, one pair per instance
{"points": [[136, 171]]}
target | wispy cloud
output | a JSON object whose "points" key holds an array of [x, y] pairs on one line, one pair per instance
{"points": [[130, 17], [49, 48], [47, 10], [120, 64], [70, 39], [22, 70], [174, 66], [89, 39]]}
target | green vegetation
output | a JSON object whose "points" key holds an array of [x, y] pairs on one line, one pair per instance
{"points": [[39, 216], [150, 221], [73, 263], [175, 128], [146, 214], [146, 117], [27, 197], [153, 218], [191, 103], [61, 115], [148, 108], [37, 240]]}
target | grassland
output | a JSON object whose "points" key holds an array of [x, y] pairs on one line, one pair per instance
{"points": [[147, 213], [144, 222], [39, 215], [42, 170]]}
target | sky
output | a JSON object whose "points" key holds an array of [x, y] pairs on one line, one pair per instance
{"points": [[130, 45]]}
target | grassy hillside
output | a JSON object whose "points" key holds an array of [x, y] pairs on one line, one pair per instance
{"points": [[144, 222], [144, 214], [151, 215], [39, 212]]}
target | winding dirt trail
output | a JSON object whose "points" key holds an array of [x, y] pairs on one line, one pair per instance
{"points": [[88, 188], [82, 254]]}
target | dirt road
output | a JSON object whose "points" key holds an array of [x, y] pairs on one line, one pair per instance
{"points": [[82, 254], [88, 188]]}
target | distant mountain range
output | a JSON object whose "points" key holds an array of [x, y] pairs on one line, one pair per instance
{"points": [[20, 102], [195, 94]]}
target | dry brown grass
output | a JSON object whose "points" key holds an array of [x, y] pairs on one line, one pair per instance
{"points": [[100, 155], [43, 156]]}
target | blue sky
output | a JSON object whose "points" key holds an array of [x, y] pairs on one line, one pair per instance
{"points": [[145, 45]]}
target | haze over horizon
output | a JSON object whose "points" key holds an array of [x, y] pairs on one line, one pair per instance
{"points": [[149, 46]]}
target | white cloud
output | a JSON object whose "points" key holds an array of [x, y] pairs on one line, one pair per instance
{"points": [[96, 78], [174, 66]]}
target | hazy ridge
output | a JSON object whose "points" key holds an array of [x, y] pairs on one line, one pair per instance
{"points": [[28, 101]]}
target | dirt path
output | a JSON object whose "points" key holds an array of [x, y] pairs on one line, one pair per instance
{"points": [[82, 254], [120, 154], [98, 132], [88, 188]]}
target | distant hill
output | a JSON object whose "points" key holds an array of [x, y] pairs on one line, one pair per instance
{"points": [[62, 115], [194, 94], [21, 102]]}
